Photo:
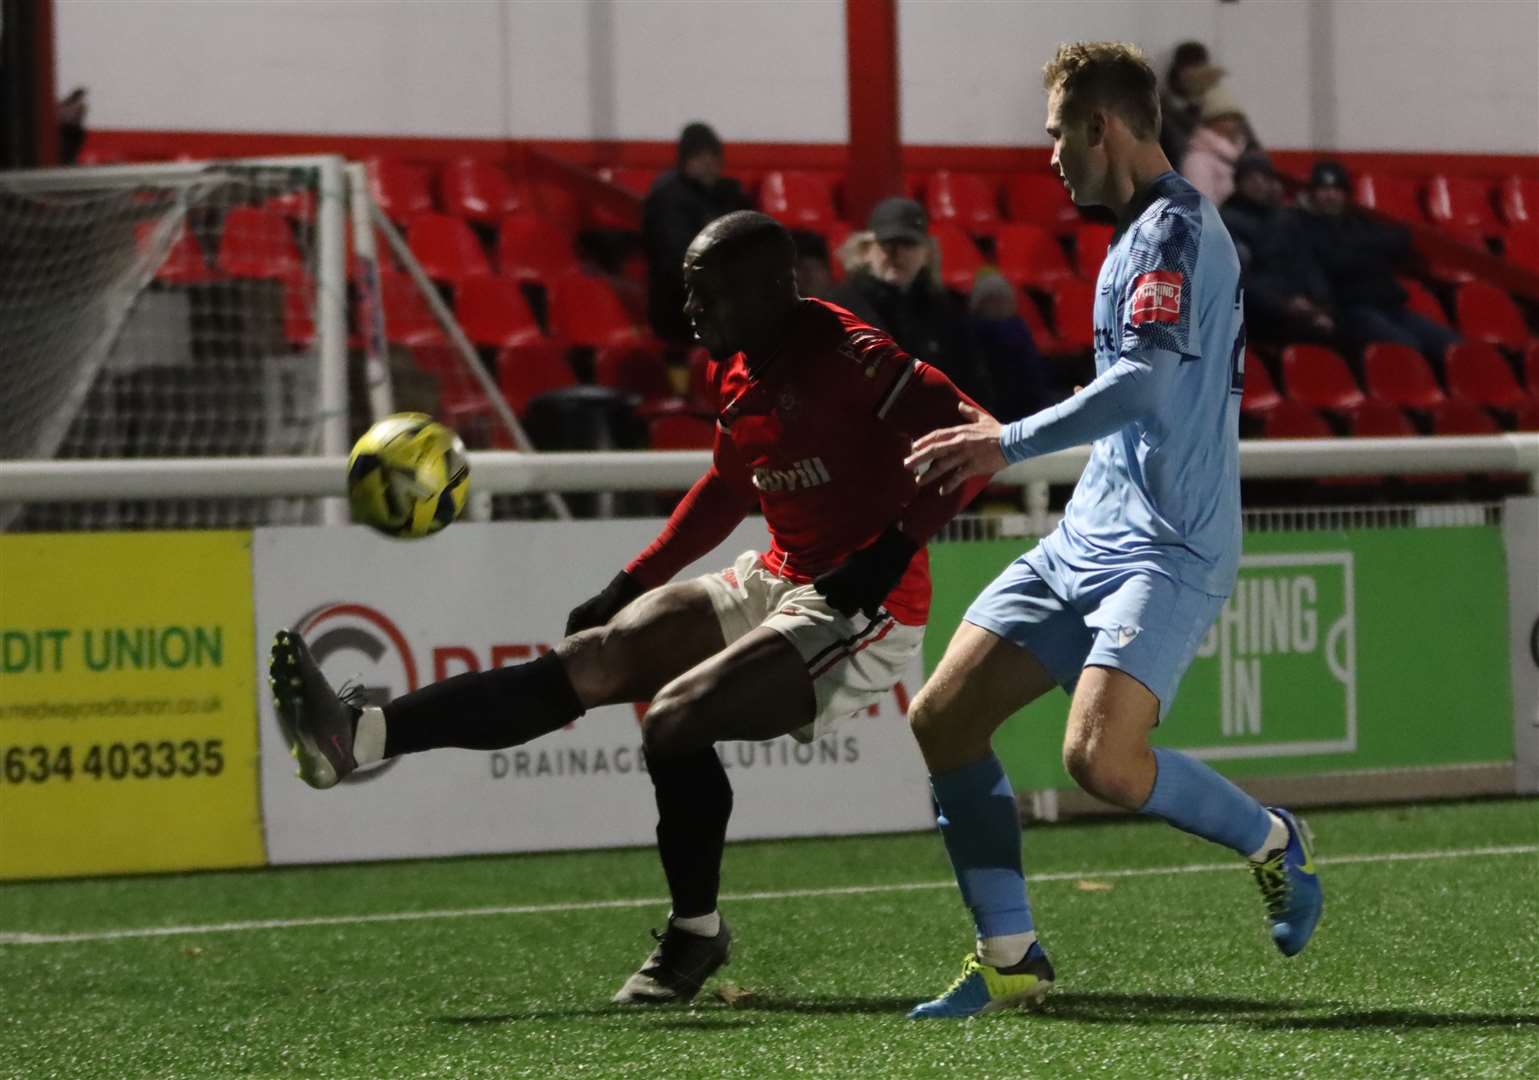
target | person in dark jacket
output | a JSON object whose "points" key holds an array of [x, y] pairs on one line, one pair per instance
{"points": [[1359, 255], [681, 202], [899, 291], [1021, 380], [1287, 295]]}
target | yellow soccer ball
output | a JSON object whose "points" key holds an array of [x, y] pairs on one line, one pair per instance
{"points": [[408, 476]]}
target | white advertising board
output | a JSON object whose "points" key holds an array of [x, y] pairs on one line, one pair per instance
{"points": [[394, 615]]}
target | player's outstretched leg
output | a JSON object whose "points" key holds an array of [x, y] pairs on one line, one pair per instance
{"points": [[332, 733], [664, 632]]}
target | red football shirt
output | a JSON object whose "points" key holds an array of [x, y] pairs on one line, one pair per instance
{"points": [[816, 436]]}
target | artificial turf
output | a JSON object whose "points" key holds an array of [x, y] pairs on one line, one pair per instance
{"points": [[1423, 967]]}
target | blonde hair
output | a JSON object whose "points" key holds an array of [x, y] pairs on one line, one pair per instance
{"points": [[1114, 75]]}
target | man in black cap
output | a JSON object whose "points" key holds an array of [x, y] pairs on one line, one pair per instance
{"points": [[1359, 255], [1287, 296], [900, 292], [681, 203]]}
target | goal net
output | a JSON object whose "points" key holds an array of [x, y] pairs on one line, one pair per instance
{"points": [[183, 310]]}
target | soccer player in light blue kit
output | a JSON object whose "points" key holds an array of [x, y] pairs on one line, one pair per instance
{"points": [[1112, 605]]}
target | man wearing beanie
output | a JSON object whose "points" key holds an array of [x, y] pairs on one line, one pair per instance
{"points": [[681, 203]]}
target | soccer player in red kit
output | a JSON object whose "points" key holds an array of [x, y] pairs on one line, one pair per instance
{"points": [[817, 412]]}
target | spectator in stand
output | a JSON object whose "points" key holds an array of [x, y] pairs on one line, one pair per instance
{"points": [[1004, 343], [899, 290], [814, 277], [70, 115], [1359, 256], [1216, 146], [1287, 296], [681, 203], [1190, 76]]}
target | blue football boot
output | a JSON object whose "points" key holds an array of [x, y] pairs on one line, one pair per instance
{"points": [[983, 989], [1290, 887]]}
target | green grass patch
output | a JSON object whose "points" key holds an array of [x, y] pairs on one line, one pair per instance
{"points": [[1420, 968]]}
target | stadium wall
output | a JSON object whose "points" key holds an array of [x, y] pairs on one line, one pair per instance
{"points": [[1446, 77]]}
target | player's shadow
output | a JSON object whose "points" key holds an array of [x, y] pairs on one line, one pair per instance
{"points": [[1265, 1014]]}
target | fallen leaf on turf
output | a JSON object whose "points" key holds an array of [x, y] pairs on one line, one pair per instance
{"points": [[191, 951], [1093, 886], [733, 994]]}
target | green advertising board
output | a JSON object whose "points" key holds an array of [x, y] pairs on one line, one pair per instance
{"points": [[1338, 650]]}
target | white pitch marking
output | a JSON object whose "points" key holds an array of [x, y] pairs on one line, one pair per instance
{"points": [[26, 938]]}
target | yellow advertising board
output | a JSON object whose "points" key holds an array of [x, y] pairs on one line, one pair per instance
{"points": [[128, 738]]}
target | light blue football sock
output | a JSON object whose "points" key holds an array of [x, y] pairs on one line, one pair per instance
{"points": [[981, 826], [1195, 799]]}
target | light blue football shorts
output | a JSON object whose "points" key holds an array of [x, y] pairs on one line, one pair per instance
{"points": [[1134, 619]]}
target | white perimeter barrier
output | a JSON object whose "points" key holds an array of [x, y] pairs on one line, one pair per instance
{"points": [[506, 472]]}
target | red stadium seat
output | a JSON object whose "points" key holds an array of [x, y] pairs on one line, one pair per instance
{"points": [[476, 190], [1091, 240], [1396, 196], [585, 311], [1479, 374], [1380, 419], [561, 207], [966, 199], [401, 190], [526, 371], [798, 199], [1420, 300], [1040, 199], [636, 181], [184, 263], [1488, 314], [1295, 420], [1074, 314], [1030, 255], [1318, 377], [1522, 245], [1261, 395], [256, 243], [1399, 375], [1045, 340], [1455, 417], [1528, 417], [530, 248], [1519, 200], [408, 319], [493, 311], [959, 257], [1461, 202], [634, 369], [681, 431], [446, 248], [1531, 369]]}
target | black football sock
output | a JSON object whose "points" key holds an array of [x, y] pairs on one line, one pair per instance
{"points": [[694, 801], [484, 710]]}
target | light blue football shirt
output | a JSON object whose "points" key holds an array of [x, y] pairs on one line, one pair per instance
{"points": [[1162, 489]]}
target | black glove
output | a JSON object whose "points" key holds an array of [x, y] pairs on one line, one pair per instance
{"points": [[605, 606], [862, 582]]}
